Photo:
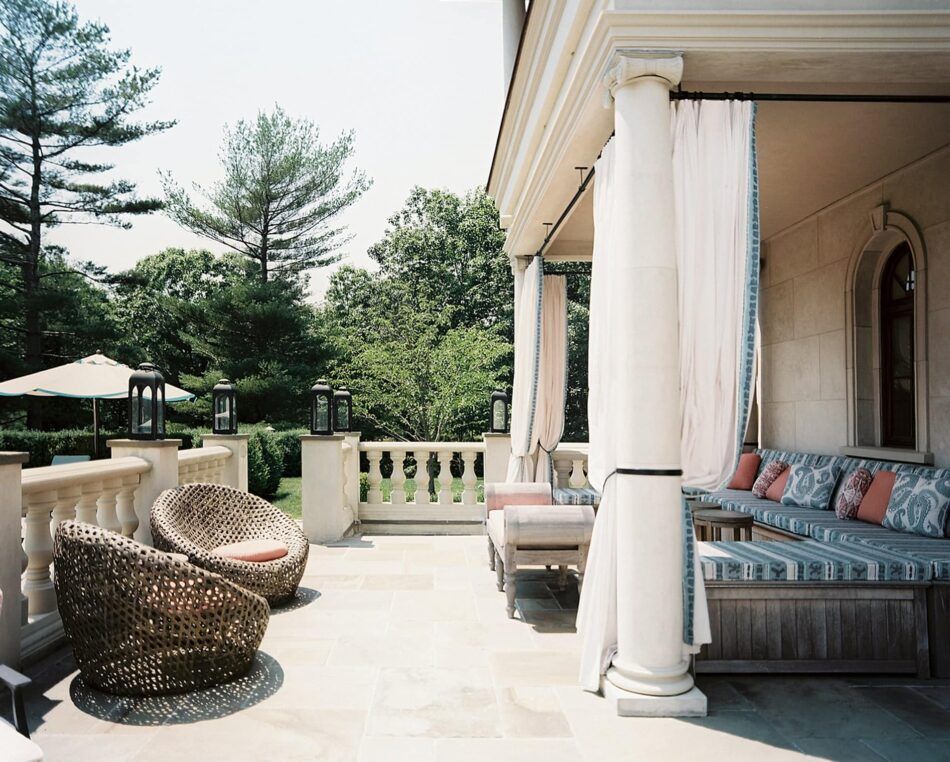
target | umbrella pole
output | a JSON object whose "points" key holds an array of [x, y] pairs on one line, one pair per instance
{"points": [[95, 429]]}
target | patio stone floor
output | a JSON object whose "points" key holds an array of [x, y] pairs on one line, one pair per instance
{"points": [[398, 648]]}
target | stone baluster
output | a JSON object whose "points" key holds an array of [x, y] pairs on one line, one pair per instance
{"points": [[125, 505], [38, 546], [562, 468], [578, 477], [86, 508], [445, 478], [65, 508], [398, 478], [106, 514], [422, 477], [469, 480], [374, 495]]}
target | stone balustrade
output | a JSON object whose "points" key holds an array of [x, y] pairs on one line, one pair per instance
{"points": [[203, 465], [570, 464], [98, 492]]}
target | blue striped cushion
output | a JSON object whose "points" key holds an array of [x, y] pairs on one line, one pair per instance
{"points": [[576, 496], [807, 561]]}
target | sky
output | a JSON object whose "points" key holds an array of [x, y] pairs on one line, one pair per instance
{"points": [[419, 81]]}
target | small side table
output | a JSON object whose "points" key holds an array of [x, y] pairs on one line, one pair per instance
{"points": [[702, 505], [711, 523]]}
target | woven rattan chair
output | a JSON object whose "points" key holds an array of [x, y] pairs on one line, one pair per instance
{"points": [[144, 624], [196, 518]]}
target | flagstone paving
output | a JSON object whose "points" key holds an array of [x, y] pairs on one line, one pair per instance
{"points": [[398, 648]]}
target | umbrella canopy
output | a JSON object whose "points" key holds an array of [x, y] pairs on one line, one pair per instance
{"points": [[95, 377]]}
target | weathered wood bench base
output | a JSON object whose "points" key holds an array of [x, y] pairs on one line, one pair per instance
{"points": [[818, 627]]}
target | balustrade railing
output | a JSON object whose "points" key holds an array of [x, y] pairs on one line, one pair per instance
{"points": [[570, 464], [433, 495], [100, 492], [203, 464]]}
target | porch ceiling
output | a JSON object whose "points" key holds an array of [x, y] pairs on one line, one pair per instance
{"points": [[810, 155]]}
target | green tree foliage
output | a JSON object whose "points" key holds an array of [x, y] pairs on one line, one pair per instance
{"points": [[63, 91], [280, 192]]}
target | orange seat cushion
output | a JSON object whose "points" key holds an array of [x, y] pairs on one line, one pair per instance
{"points": [[253, 550], [874, 504], [748, 467], [777, 488]]}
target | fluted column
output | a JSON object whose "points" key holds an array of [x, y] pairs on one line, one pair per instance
{"points": [[649, 666]]}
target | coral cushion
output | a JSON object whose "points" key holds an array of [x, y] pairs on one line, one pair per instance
{"points": [[500, 494], [874, 505], [253, 550], [777, 488], [748, 467]]}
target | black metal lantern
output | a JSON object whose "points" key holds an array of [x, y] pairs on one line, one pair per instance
{"points": [[224, 408], [321, 403], [498, 416], [342, 410], [146, 403]]}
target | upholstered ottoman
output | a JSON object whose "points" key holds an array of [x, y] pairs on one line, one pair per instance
{"points": [[500, 494], [539, 535]]}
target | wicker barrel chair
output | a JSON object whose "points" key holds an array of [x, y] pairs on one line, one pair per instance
{"points": [[144, 624], [194, 519]]}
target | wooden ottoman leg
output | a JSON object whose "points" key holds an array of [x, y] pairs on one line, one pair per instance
{"points": [[511, 589], [581, 565], [562, 577], [491, 554], [500, 571]]}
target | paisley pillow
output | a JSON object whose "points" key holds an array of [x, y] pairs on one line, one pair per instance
{"points": [[919, 504], [811, 486], [853, 493], [769, 474]]}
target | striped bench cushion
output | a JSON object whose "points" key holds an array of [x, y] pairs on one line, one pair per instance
{"points": [[576, 496], [807, 561]]}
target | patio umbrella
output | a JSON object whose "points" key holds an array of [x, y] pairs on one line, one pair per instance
{"points": [[96, 377]]}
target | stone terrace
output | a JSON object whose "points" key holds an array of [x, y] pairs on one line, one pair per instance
{"points": [[398, 648]]}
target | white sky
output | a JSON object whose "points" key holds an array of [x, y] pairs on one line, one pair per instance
{"points": [[418, 80]]}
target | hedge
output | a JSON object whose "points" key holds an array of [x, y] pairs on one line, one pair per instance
{"points": [[43, 445]]}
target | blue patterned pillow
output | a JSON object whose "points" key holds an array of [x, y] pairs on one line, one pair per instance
{"points": [[811, 486], [918, 504]]}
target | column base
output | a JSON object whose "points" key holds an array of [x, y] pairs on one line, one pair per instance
{"points": [[689, 704]]}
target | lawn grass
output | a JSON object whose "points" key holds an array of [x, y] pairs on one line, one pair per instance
{"points": [[288, 493]]}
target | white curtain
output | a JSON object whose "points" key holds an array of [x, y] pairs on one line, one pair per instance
{"points": [[717, 250], [552, 386], [524, 440], [718, 263], [597, 612]]}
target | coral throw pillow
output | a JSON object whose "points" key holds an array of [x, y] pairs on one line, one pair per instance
{"points": [[768, 476], [874, 505], [253, 550], [744, 477], [853, 492], [777, 488]]}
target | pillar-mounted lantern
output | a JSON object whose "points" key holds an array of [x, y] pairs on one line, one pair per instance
{"points": [[146, 403], [321, 404], [342, 410], [224, 408], [498, 415]]}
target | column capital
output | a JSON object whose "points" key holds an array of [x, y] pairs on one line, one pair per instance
{"points": [[633, 64]]}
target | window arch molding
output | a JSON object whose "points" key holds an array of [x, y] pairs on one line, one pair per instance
{"points": [[889, 229]]}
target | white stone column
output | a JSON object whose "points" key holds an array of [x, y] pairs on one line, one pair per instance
{"points": [[497, 453], [162, 454], [351, 475], [649, 674], [11, 554], [234, 473], [325, 518], [512, 22]]}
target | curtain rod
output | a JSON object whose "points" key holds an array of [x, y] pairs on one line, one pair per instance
{"points": [[696, 95], [691, 95]]}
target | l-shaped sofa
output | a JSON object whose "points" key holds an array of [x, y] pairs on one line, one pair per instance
{"points": [[815, 593]]}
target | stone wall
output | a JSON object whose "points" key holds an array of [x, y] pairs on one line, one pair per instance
{"points": [[803, 317]]}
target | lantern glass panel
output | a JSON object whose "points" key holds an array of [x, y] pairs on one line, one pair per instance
{"points": [[160, 413], [321, 414], [498, 415], [342, 415], [222, 412]]}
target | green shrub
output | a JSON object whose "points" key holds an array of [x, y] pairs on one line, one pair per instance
{"points": [[265, 463], [289, 443], [43, 445], [364, 487]]}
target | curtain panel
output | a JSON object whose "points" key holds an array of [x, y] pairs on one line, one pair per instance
{"points": [[552, 386], [524, 398]]}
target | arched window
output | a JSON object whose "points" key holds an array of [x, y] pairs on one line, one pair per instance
{"points": [[898, 405]]}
